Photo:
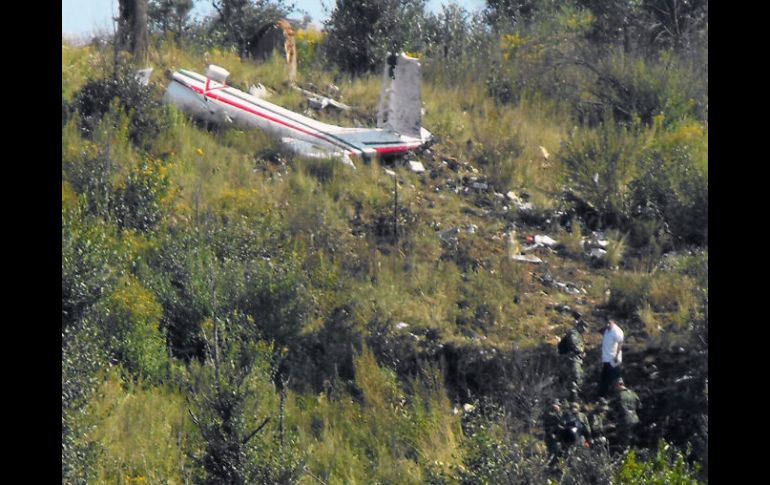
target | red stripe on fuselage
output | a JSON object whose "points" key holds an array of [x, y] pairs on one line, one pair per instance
{"points": [[263, 115], [404, 148]]}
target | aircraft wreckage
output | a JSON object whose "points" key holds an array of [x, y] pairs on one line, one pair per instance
{"points": [[399, 119]]}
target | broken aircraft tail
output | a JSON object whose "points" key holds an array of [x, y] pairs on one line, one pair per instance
{"points": [[400, 107]]}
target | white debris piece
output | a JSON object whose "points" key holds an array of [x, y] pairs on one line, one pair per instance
{"points": [[259, 91], [527, 258], [598, 253], [143, 76], [513, 245], [480, 185], [468, 408], [401, 325], [600, 238], [390, 172], [416, 166], [545, 241], [544, 152]]}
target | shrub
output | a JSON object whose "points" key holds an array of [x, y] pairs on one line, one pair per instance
{"points": [[131, 325], [90, 265], [82, 361], [147, 116], [628, 292], [600, 164], [666, 465], [672, 186], [616, 249], [232, 401], [138, 203]]}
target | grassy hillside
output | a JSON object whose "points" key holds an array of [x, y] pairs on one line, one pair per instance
{"points": [[211, 281]]}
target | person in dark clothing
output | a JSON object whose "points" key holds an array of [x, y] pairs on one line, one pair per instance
{"points": [[575, 429]]}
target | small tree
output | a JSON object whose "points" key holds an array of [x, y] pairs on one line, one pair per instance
{"points": [[225, 396], [170, 16], [238, 21], [362, 32]]}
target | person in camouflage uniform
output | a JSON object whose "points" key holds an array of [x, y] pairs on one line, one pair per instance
{"points": [[572, 346], [599, 423], [551, 425], [574, 392], [574, 428], [627, 404]]}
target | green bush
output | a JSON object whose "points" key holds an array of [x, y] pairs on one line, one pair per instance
{"points": [[82, 361], [667, 465], [361, 33], [90, 264], [147, 116], [672, 185], [628, 292], [138, 204], [233, 401], [600, 164], [131, 317]]}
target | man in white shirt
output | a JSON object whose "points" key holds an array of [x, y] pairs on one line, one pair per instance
{"points": [[612, 356]]}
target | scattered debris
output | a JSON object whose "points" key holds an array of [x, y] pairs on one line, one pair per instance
{"points": [[143, 76], [320, 103], [527, 258], [259, 91], [567, 287], [597, 253], [539, 241], [449, 236], [563, 308], [416, 166]]}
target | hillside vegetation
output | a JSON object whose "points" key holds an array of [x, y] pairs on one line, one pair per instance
{"points": [[232, 313]]}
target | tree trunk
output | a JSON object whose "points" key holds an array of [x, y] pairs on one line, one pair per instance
{"points": [[132, 33]]}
